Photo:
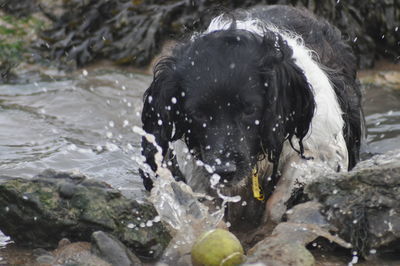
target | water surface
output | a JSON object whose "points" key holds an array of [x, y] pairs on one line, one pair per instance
{"points": [[77, 122]]}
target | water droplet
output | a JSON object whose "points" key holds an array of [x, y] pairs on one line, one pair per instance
{"points": [[159, 122], [130, 225], [111, 147], [149, 99], [257, 122], [199, 163], [84, 72], [72, 147], [174, 100], [354, 260], [372, 251], [289, 211], [214, 180], [129, 146], [25, 197]]}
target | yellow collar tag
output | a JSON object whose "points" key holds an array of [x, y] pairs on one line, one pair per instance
{"points": [[257, 191]]}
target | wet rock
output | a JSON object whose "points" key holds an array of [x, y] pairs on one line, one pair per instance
{"points": [[77, 254], [280, 253], [364, 204], [287, 243], [6, 71], [40, 211], [112, 250]]}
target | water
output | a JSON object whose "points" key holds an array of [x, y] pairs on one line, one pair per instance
{"points": [[84, 122], [74, 122], [382, 114]]}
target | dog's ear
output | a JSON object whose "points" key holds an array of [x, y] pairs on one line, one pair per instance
{"points": [[162, 110], [290, 102]]}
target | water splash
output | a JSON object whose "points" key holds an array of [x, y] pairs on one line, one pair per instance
{"points": [[180, 207]]}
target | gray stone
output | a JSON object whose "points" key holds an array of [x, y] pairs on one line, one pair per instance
{"points": [[112, 250], [364, 204]]}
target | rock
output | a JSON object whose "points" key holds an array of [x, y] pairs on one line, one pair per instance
{"points": [[287, 243], [112, 250], [77, 254], [40, 211], [364, 204], [275, 252]]}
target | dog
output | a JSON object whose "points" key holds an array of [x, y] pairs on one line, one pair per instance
{"points": [[256, 100]]}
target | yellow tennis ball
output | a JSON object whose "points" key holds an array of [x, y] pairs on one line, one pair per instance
{"points": [[217, 247]]}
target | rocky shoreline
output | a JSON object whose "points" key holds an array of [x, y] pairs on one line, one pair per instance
{"points": [[84, 219]]}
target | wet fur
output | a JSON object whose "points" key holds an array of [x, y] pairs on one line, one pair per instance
{"points": [[247, 93]]}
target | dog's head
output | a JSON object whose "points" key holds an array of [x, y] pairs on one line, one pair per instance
{"points": [[233, 96]]}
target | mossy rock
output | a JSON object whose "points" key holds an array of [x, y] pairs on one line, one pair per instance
{"points": [[38, 212]]}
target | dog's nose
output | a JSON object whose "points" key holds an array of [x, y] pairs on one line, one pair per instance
{"points": [[226, 172]]}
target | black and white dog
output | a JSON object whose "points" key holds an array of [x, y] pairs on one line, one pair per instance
{"points": [[262, 95]]}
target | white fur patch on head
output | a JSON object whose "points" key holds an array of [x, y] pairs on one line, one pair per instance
{"points": [[326, 131]]}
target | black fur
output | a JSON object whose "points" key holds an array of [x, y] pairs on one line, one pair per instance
{"points": [[234, 96]]}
